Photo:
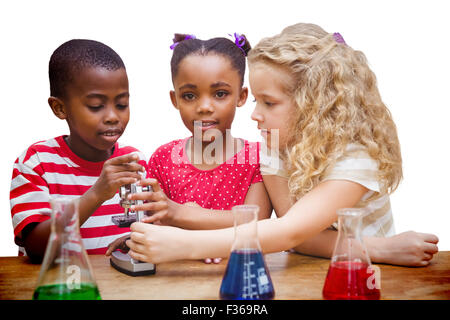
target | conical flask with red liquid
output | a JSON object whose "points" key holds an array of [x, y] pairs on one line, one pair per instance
{"points": [[246, 276], [351, 275], [65, 271]]}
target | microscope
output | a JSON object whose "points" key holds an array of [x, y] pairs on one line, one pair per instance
{"points": [[122, 261]]}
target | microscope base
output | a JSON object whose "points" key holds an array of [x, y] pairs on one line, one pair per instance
{"points": [[122, 262]]}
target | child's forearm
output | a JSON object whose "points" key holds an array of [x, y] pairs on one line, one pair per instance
{"points": [[274, 234], [218, 245], [375, 247], [198, 218], [322, 245], [35, 240], [200, 244], [310, 215]]}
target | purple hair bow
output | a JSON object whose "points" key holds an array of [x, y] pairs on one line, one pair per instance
{"points": [[187, 37], [338, 38], [239, 41]]}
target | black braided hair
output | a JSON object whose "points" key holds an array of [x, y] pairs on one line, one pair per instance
{"points": [[221, 46]]}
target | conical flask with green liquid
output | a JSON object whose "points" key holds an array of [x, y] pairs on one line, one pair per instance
{"points": [[65, 272]]}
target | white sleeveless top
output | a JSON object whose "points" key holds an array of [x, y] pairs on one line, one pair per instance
{"points": [[354, 165]]}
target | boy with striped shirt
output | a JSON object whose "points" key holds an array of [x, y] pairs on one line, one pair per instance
{"points": [[89, 89]]}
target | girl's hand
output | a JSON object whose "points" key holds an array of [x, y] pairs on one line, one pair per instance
{"points": [[119, 243], [116, 172], [157, 202], [156, 244], [410, 249]]}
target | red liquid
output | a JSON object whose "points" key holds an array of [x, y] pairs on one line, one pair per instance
{"points": [[349, 281]]}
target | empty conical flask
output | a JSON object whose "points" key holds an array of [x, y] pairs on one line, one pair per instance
{"points": [[351, 275], [65, 272], [246, 276]]}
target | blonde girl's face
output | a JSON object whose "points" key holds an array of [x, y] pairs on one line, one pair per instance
{"points": [[274, 106]]}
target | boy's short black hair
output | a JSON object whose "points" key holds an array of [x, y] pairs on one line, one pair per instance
{"points": [[74, 55]]}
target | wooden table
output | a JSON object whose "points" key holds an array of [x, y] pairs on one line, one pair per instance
{"points": [[294, 276]]}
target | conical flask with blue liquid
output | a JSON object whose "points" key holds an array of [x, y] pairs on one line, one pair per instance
{"points": [[65, 271], [246, 276]]}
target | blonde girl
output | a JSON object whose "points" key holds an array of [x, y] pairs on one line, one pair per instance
{"points": [[319, 99]]}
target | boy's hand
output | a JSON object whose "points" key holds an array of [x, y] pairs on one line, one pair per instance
{"points": [[117, 172], [157, 202], [119, 243], [410, 248]]}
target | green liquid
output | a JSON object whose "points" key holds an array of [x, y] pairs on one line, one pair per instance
{"points": [[87, 291]]}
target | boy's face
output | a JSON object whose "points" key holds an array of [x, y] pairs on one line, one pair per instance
{"points": [[97, 111]]}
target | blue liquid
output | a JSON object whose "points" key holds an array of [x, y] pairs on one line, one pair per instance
{"points": [[246, 277]]}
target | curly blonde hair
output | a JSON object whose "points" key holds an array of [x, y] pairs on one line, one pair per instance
{"points": [[337, 103]]}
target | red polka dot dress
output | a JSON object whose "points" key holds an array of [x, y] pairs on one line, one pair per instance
{"points": [[220, 188]]}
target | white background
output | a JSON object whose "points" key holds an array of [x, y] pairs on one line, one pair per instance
{"points": [[406, 43]]}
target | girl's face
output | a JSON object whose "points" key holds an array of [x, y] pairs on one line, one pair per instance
{"points": [[207, 92], [274, 107]]}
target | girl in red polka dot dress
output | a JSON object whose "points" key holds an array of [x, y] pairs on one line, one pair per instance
{"points": [[206, 174]]}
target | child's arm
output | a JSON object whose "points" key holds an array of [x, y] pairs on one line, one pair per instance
{"points": [[257, 194], [308, 217], [408, 248], [278, 191], [321, 245], [412, 249], [188, 216], [197, 218], [116, 172]]}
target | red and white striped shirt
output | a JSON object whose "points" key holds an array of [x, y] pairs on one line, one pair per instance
{"points": [[50, 168]]}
